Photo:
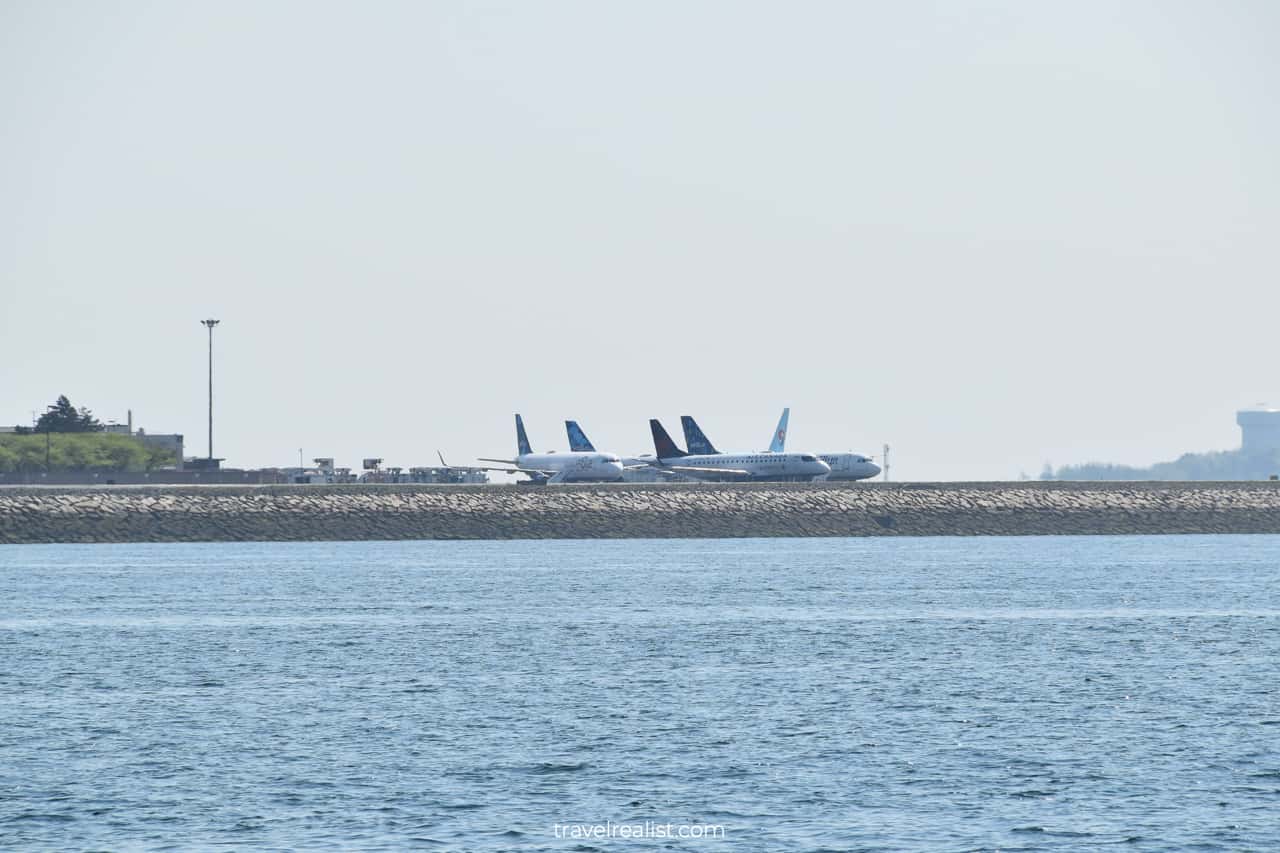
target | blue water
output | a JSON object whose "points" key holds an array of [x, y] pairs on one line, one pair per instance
{"points": [[919, 694]]}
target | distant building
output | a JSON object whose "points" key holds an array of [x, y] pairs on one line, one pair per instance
{"points": [[159, 476], [1257, 459], [457, 476], [171, 442], [436, 475], [1259, 430], [323, 474]]}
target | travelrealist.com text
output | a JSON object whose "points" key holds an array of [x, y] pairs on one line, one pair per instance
{"points": [[647, 829]]}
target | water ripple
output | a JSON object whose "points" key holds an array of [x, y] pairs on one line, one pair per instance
{"points": [[961, 694]]}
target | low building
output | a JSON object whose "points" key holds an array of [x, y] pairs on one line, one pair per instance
{"points": [[457, 476], [159, 476], [324, 473], [171, 442], [435, 475]]}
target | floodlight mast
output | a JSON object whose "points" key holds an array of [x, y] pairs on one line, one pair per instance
{"points": [[210, 324]]}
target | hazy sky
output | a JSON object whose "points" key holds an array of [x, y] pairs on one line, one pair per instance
{"points": [[990, 234]]}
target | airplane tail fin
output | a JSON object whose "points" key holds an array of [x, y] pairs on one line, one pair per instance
{"points": [[578, 441], [663, 446], [694, 438], [779, 443], [522, 440]]}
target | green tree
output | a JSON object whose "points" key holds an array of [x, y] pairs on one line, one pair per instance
{"points": [[1219, 465], [101, 452], [64, 417], [24, 454]]}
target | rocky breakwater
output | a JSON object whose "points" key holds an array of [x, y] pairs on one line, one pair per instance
{"points": [[247, 513]]}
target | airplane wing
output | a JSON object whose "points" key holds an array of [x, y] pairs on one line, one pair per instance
{"points": [[512, 468], [699, 470], [674, 475], [532, 472], [657, 468]]}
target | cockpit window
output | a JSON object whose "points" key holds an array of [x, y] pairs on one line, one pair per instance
{"points": [[808, 459]]}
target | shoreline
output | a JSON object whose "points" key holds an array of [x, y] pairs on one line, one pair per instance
{"points": [[238, 513]]}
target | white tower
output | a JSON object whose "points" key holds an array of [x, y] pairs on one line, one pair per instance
{"points": [[1259, 429]]}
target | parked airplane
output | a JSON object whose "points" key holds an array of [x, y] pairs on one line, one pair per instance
{"points": [[549, 468], [844, 466], [713, 465]]}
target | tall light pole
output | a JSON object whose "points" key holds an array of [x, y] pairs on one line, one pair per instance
{"points": [[210, 324]]}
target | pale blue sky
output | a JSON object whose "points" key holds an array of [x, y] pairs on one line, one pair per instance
{"points": [[991, 234]]}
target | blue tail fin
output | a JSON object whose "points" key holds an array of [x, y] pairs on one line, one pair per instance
{"points": [[578, 441], [522, 440], [779, 443], [663, 446], [694, 437]]}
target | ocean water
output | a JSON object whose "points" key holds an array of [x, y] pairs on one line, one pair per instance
{"points": [[859, 694]]}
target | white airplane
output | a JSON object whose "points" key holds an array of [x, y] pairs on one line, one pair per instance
{"points": [[550, 468], [579, 443], [713, 465], [844, 466]]}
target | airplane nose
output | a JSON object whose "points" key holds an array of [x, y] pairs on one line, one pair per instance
{"points": [[872, 468], [616, 467], [823, 467]]}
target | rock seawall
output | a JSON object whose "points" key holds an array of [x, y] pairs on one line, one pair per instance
{"points": [[249, 513]]}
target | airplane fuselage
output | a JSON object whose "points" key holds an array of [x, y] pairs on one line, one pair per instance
{"points": [[794, 467], [575, 467]]}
